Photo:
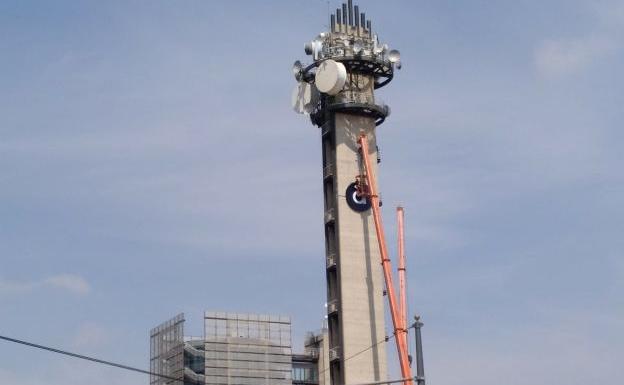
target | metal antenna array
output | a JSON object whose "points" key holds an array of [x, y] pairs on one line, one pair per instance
{"points": [[349, 47]]}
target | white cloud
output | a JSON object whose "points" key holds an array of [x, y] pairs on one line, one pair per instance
{"points": [[556, 57], [69, 282], [564, 56]]}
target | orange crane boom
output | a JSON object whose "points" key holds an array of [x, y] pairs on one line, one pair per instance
{"points": [[401, 269], [400, 331]]}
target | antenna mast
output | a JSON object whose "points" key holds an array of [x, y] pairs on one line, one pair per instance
{"points": [[336, 89]]}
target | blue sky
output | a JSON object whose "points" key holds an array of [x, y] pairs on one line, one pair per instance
{"points": [[150, 164]]}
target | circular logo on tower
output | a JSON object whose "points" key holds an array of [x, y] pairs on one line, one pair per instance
{"points": [[356, 201]]}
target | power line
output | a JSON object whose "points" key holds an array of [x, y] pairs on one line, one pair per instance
{"points": [[386, 339], [126, 367], [87, 358]]}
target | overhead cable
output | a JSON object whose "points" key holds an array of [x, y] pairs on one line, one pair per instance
{"points": [[87, 358]]}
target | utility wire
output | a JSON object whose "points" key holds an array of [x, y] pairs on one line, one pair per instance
{"points": [[82, 357], [386, 339], [126, 367]]}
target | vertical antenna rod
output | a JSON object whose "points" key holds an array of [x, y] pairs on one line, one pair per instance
{"points": [[338, 17], [399, 330], [350, 6], [356, 16], [401, 269]]}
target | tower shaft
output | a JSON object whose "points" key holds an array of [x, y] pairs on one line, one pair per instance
{"points": [[354, 277], [337, 91]]}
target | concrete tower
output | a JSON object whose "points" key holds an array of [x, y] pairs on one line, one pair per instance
{"points": [[337, 91]]}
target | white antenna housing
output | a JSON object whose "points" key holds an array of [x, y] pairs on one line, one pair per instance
{"points": [[330, 77], [304, 98]]}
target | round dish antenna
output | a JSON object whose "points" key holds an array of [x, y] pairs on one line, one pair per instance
{"points": [[297, 68], [330, 77], [308, 48], [394, 56], [314, 48]]}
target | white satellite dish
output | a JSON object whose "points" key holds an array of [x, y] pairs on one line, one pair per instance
{"points": [[297, 69], [330, 77], [317, 48], [304, 98], [308, 48], [394, 56]]}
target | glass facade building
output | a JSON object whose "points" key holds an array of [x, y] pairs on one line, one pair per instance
{"points": [[247, 349], [167, 351], [236, 349], [304, 369]]}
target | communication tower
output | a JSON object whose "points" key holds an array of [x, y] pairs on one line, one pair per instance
{"points": [[337, 91]]}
